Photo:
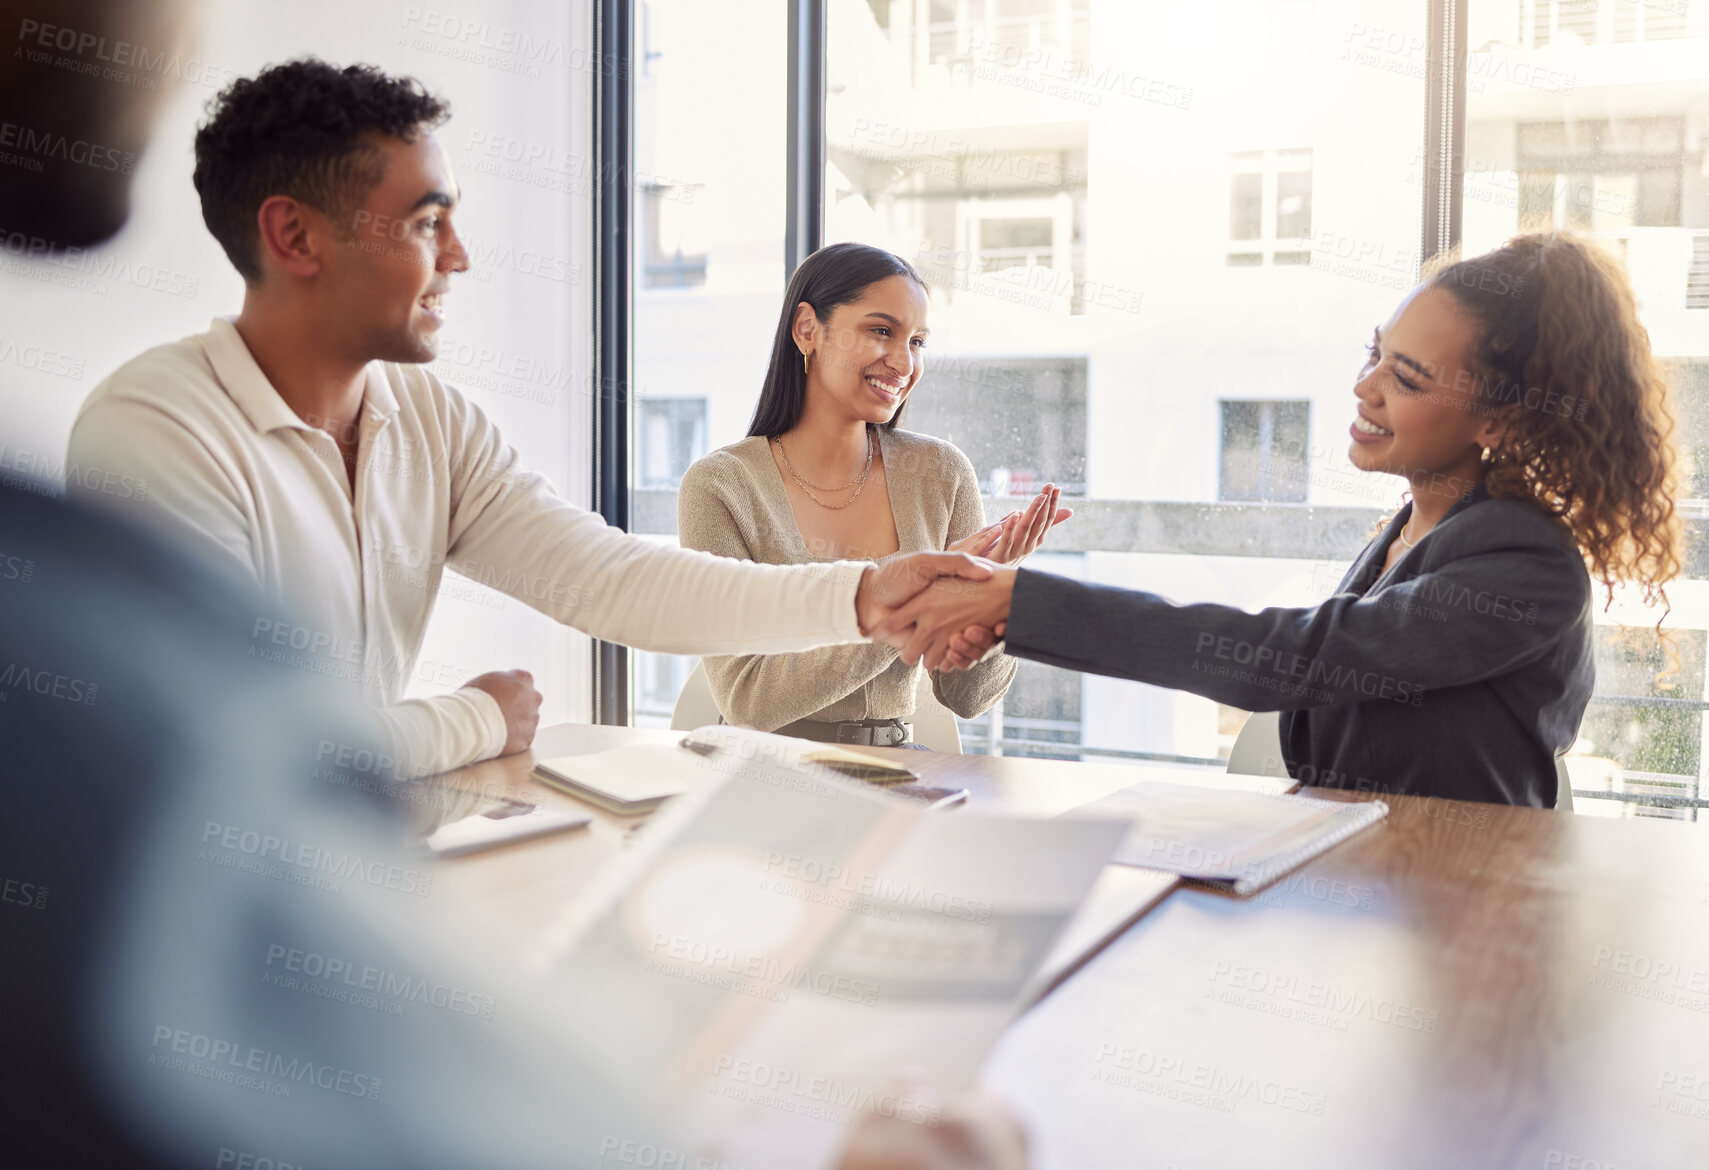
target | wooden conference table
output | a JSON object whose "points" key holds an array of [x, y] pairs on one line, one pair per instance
{"points": [[1463, 986]]}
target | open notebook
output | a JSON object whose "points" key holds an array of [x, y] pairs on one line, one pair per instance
{"points": [[1241, 841]]}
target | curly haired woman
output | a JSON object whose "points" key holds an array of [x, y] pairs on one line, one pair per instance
{"points": [[1517, 394]]}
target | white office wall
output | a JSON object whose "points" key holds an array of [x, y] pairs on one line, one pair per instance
{"points": [[517, 340]]}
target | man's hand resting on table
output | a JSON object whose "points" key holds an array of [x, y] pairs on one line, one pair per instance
{"points": [[885, 587], [520, 702], [952, 623]]}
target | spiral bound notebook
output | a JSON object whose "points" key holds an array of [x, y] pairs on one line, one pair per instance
{"points": [[1239, 841]]}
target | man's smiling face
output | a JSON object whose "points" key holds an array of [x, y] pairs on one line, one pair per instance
{"points": [[401, 249]]}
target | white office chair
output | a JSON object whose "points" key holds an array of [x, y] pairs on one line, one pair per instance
{"points": [[934, 724], [1258, 752], [695, 706], [1257, 749]]}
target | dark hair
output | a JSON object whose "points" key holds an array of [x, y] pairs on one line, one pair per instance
{"points": [[834, 275], [1559, 336], [298, 129]]}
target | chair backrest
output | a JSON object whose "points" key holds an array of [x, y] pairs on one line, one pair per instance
{"points": [[1258, 752], [695, 706], [934, 724], [1257, 749]]}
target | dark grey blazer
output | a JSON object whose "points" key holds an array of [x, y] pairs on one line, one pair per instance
{"points": [[1461, 672]]}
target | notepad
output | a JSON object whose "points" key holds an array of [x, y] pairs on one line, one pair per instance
{"points": [[859, 765], [1240, 841], [627, 780]]}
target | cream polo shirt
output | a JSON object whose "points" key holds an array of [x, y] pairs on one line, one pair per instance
{"points": [[233, 472]]}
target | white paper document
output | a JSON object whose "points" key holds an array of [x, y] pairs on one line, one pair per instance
{"points": [[780, 943]]}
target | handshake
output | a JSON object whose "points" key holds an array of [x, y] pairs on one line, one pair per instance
{"points": [[943, 609]]}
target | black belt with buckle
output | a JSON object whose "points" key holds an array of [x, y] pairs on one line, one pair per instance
{"points": [[868, 732]]}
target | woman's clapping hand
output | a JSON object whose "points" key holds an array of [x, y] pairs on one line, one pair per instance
{"points": [[1019, 534]]}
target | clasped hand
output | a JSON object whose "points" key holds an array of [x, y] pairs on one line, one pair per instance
{"points": [[943, 609]]}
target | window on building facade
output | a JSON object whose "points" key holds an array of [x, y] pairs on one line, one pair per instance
{"points": [[1269, 200], [672, 436], [1265, 451]]}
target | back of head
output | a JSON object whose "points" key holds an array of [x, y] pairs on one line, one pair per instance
{"points": [[184, 843], [1561, 351], [302, 129], [69, 112]]}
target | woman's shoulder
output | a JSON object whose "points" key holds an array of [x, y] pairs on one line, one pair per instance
{"points": [[735, 465], [1515, 522], [1503, 527], [910, 452]]}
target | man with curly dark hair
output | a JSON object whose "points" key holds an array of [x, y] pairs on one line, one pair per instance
{"points": [[303, 445], [307, 130]]}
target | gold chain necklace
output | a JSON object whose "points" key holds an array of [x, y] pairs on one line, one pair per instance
{"points": [[856, 484]]}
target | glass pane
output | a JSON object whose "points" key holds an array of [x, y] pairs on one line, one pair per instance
{"points": [[1293, 203], [710, 186], [1597, 138], [1014, 243], [1011, 461], [1229, 220], [1246, 206], [1265, 452]]}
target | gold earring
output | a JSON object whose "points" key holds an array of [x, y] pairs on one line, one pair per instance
{"points": [[804, 370]]}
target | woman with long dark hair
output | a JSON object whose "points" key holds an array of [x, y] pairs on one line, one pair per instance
{"points": [[1517, 394], [825, 474]]}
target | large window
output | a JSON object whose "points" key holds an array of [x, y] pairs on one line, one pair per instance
{"points": [[709, 228], [1157, 237]]}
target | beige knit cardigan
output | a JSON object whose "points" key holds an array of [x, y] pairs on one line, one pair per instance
{"points": [[733, 503]]}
